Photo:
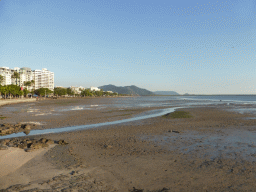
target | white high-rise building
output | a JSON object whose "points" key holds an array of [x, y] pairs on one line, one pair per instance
{"points": [[42, 78], [6, 73]]}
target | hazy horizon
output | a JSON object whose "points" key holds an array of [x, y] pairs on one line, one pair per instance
{"points": [[186, 46]]}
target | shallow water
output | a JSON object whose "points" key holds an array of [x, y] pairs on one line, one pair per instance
{"points": [[228, 143], [145, 115], [241, 104]]}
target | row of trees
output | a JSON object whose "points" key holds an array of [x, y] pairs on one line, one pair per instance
{"points": [[86, 92], [12, 91], [59, 91], [15, 91]]}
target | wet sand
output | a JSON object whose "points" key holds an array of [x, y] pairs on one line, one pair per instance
{"points": [[212, 151]]}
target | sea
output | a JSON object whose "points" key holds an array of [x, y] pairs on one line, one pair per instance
{"points": [[238, 103]]}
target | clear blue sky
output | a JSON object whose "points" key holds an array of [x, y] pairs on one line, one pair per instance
{"points": [[194, 46]]}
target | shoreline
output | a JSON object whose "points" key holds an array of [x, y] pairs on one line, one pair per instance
{"points": [[191, 154], [15, 101]]}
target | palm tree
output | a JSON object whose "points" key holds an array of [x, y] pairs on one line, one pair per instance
{"points": [[16, 76], [32, 84], [1, 79], [27, 84]]}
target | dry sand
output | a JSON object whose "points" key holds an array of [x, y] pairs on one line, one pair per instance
{"points": [[157, 154], [13, 158]]}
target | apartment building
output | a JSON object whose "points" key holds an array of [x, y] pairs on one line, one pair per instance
{"points": [[6, 73], [42, 78], [94, 89], [77, 90]]}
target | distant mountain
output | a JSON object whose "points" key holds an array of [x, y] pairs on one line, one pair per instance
{"points": [[166, 93], [130, 90]]}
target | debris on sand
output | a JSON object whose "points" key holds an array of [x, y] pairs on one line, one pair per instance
{"points": [[7, 129], [29, 144]]}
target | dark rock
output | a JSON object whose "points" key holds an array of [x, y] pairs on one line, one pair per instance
{"points": [[62, 142], [26, 132], [136, 190], [43, 140], [49, 142], [22, 146], [172, 131], [27, 127], [107, 146], [36, 145]]}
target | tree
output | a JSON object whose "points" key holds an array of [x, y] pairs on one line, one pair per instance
{"points": [[14, 90], [32, 82], [70, 92], [60, 91], [86, 92], [42, 91], [3, 89], [26, 92], [16, 76], [98, 93], [1, 79], [27, 84]]}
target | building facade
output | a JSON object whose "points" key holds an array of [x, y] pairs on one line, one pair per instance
{"points": [[94, 89], [77, 90], [42, 78], [6, 73]]}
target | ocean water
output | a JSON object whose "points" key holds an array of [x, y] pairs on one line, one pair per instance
{"points": [[241, 104]]}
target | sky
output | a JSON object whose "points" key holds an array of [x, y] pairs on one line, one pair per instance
{"points": [[187, 46]]}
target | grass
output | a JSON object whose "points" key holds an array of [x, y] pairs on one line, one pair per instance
{"points": [[178, 114], [2, 117]]}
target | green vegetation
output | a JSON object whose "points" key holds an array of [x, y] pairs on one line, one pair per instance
{"points": [[70, 92], [60, 91], [178, 114], [43, 91], [1, 79], [11, 91], [16, 76], [88, 92], [2, 117]]}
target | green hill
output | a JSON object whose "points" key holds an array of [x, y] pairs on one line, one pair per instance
{"points": [[130, 90]]}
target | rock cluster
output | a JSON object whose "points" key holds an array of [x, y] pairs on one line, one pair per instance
{"points": [[28, 144], [7, 129]]}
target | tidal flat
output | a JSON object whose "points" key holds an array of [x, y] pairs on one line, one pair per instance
{"points": [[212, 150]]}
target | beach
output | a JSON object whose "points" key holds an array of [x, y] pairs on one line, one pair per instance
{"points": [[213, 150]]}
